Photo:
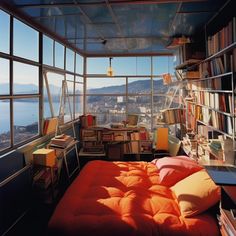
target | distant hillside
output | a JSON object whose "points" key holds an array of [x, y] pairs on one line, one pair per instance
{"points": [[133, 87]]}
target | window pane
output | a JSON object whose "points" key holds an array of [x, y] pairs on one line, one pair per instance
{"points": [[159, 87], [124, 66], [139, 85], [79, 88], [70, 86], [59, 55], [163, 65], [106, 85], [107, 118], [143, 65], [78, 106], [159, 102], [26, 41], [79, 64], [26, 119], [47, 51], [5, 135], [111, 105], [139, 104], [4, 76], [55, 84], [70, 60], [4, 32], [97, 65], [69, 109], [25, 78]]}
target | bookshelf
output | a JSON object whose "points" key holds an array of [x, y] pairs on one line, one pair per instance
{"points": [[100, 141], [210, 100]]}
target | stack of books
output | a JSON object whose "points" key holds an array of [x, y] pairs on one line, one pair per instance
{"points": [[61, 141]]}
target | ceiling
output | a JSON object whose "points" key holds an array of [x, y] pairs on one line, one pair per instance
{"points": [[117, 27]]}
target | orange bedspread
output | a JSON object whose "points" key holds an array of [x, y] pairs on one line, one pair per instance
{"points": [[125, 199]]}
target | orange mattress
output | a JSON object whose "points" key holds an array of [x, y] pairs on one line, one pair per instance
{"points": [[123, 199]]}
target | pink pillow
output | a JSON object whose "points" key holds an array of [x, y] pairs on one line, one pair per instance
{"points": [[174, 169]]}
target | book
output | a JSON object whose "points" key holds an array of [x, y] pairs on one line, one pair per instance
{"points": [[62, 142], [50, 126]]}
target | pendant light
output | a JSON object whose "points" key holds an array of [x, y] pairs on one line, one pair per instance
{"points": [[110, 71]]}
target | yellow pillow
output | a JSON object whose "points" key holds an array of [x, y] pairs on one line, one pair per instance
{"points": [[196, 193]]}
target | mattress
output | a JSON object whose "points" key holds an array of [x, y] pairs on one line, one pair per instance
{"points": [[123, 198]]}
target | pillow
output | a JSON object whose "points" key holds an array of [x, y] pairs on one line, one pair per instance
{"points": [[196, 193], [173, 169]]}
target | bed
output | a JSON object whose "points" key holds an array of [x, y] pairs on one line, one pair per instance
{"points": [[129, 198]]}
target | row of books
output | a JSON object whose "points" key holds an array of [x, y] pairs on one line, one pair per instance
{"points": [[137, 147], [227, 223], [50, 126], [43, 177], [217, 66], [87, 121], [223, 38], [219, 83], [218, 101], [173, 116]]}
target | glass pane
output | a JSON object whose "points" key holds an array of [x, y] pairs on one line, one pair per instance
{"points": [[139, 85], [106, 85], [78, 106], [159, 102], [107, 118], [26, 119], [26, 41], [59, 55], [4, 32], [139, 104], [5, 136], [25, 78], [79, 88], [97, 65], [143, 65], [4, 76], [70, 86], [108, 105], [159, 87], [79, 64], [163, 65], [70, 60], [47, 51], [69, 109], [55, 83], [124, 66]]}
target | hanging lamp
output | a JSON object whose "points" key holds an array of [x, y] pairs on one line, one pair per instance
{"points": [[110, 71]]}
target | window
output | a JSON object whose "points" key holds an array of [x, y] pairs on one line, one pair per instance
{"points": [[55, 85], [47, 51], [25, 78], [4, 77], [5, 135], [79, 64], [59, 55], [26, 119], [4, 32], [25, 35], [70, 60], [163, 65]]}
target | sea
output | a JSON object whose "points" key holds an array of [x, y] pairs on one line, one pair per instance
{"points": [[25, 113]]}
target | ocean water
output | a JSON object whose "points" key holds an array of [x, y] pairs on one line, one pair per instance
{"points": [[25, 113]]}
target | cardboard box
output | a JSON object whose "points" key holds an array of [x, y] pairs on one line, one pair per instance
{"points": [[44, 157]]}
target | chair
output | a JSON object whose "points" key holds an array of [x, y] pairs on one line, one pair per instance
{"points": [[161, 143]]}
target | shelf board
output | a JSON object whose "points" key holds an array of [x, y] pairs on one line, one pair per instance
{"points": [[188, 63], [221, 52], [210, 90], [213, 128]]}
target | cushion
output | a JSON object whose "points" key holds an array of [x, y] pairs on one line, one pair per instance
{"points": [[196, 193], [173, 169]]}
